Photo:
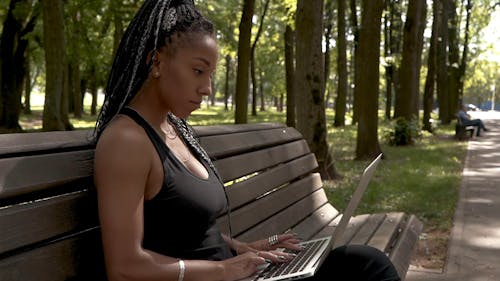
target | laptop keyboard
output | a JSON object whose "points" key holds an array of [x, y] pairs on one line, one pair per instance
{"points": [[297, 264]]}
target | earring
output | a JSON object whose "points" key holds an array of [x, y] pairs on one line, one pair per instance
{"points": [[156, 74]]}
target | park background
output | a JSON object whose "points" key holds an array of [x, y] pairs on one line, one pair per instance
{"points": [[311, 64]]}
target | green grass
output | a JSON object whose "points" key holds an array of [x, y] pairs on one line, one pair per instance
{"points": [[422, 179]]}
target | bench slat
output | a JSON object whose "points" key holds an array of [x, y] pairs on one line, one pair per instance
{"points": [[385, 233], [266, 206], [367, 230], [203, 131], [219, 146], [235, 167], [33, 222], [403, 250], [245, 191], [22, 175], [317, 224], [286, 219], [58, 261]]}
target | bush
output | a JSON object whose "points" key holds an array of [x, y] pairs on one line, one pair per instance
{"points": [[405, 132]]}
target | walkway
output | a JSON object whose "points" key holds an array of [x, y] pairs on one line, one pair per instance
{"points": [[474, 252]]}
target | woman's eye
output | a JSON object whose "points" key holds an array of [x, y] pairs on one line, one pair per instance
{"points": [[198, 71]]}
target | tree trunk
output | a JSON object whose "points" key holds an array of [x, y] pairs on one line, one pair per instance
{"points": [[290, 76], [342, 84], [430, 80], [253, 62], [465, 52], [407, 99], [55, 63], [13, 46], [226, 84], [395, 35], [355, 30], [311, 119], [442, 72], [454, 60], [367, 79], [244, 53], [27, 86]]}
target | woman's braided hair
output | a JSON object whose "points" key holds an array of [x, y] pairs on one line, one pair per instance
{"points": [[153, 27]]}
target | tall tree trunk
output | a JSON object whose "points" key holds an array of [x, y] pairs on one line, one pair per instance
{"points": [[430, 80], [253, 62], [55, 63], [353, 17], [27, 85], [244, 53], [407, 99], [342, 84], [290, 76], [261, 92], [465, 51], [388, 63], [442, 59], [454, 59], [328, 36], [311, 119], [226, 84], [395, 37], [13, 46], [367, 79]]}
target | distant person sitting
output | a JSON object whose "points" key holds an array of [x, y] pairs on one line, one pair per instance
{"points": [[466, 120]]}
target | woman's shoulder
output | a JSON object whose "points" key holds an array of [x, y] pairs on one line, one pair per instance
{"points": [[122, 133]]}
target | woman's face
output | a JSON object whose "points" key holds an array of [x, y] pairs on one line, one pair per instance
{"points": [[186, 75]]}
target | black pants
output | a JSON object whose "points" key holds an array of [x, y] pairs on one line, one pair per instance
{"points": [[356, 263]]}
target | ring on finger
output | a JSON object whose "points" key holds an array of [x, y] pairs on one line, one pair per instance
{"points": [[257, 253], [273, 240]]}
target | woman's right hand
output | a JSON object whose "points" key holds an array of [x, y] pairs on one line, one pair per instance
{"points": [[242, 266]]}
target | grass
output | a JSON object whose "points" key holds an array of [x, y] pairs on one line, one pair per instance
{"points": [[422, 179]]}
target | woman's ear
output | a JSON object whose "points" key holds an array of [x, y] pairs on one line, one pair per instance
{"points": [[154, 61]]}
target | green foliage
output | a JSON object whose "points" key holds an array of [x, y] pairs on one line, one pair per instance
{"points": [[403, 132]]}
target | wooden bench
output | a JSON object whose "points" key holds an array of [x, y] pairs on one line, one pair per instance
{"points": [[463, 132], [48, 212]]}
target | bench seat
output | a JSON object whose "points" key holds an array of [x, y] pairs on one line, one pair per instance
{"points": [[48, 210]]}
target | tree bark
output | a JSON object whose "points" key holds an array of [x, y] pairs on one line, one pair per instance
{"points": [[244, 50], [407, 99], [55, 63], [290, 76], [253, 62], [465, 52], [367, 79], [442, 59], [454, 60], [430, 80], [353, 17], [13, 46], [311, 119], [342, 84], [226, 84]]}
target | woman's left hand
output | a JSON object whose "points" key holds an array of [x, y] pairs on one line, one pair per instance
{"points": [[263, 247]]}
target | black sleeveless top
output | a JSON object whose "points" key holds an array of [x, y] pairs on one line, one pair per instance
{"points": [[180, 221]]}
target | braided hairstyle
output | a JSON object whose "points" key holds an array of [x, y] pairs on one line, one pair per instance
{"points": [[154, 26]]}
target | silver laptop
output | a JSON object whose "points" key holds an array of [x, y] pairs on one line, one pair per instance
{"points": [[307, 261]]}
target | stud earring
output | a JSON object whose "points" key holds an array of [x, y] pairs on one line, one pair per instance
{"points": [[156, 74]]}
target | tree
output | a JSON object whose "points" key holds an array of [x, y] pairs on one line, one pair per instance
{"points": [[290, 76], [342, 84], [253, 61], [367, 79], [242, 83], [55, 112], [311, 119], [19, 21], [442, 62], [430, 80], [407, 99]]}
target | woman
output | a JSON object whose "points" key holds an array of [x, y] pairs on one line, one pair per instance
{"points": [[152, 176]]}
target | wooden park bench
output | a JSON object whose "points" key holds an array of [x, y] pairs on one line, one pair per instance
{"points": [[48, 211], [462, 132]]}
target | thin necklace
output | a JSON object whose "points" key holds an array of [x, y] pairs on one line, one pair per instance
{"points": [[170, 133]]}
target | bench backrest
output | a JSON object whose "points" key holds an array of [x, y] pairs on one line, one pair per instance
{"points": [[48, 210]]}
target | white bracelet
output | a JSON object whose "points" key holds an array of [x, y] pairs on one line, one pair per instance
{"points": [[182, 269]]}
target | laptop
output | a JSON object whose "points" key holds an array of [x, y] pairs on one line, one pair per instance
{"points": [[307, 261]]}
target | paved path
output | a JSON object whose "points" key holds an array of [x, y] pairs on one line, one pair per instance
{"points": [[474, 252]]}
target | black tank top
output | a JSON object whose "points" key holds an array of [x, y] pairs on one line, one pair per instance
{"points": [[180, 221]]}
